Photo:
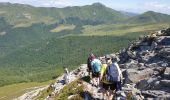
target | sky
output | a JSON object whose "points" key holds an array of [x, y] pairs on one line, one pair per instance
{"points": [[136, 6]]}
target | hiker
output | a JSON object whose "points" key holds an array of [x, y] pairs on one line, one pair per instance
{"points": [[115, 59], [96, 66], [66, 76], [89, 60], [104, 66], [110, 77]]}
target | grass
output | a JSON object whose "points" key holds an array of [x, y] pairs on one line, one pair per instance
{"points": [[63, 27], [121, 29], [12, 91], [73, 88]]}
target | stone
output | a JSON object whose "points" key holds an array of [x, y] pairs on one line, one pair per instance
{"points": [[164, 64], [140, 64], [71, 96], [165, 41], [167, 73], [143, 84], [160, 95], [164, 52], [165, 83], [134, 76], [157, 85]]}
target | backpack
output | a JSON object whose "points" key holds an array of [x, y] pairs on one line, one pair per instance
{"points": [[89, 63], [96, 66], [112, 74]]}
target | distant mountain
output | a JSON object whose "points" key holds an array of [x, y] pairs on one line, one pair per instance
{"points": [[129, 14], [19, 14], [149, 17]]}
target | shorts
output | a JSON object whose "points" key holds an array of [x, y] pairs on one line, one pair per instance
{"points": [[111, 86], [95, 74]]}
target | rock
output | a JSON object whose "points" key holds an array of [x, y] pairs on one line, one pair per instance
{"points": [[156, 94], [157, 85], [144, 48], [143, 84], [131, 64], [164, 52], [140, 64], [167, 32], [165, 83], [147, 84], [164, 64], [167, 73], [134, 76], [71, 96]]}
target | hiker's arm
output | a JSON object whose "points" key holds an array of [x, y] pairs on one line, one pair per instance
{"points": [[120, 72], [101, 73]]}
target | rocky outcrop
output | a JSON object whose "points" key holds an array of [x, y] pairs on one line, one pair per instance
{"points": [[146, 66]]}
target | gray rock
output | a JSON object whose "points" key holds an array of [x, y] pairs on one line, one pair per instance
{"points": [[164, 52], [143, 84], [166, 83], [161, 95], [134, 76], [167, 73], [157, 85]]}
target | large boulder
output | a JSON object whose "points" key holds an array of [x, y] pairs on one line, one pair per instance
{"points": [[164, 40], [148, 84], [166, 83], [164, 52], [134, 76]]}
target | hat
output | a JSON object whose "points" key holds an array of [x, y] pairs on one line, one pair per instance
{"points": [[107, 56], [115, 58]]}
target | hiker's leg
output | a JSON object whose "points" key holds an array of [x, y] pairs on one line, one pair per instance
{"points": [[104, 90], [93, 80], [110, 94], [98, 81], [107, 95], [104, 93]]}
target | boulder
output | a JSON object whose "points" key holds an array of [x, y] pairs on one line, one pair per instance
{"points": [[148, 84], [134, 76], [143, 84], [164, 52], [165, 83], [167, 73], [160, 95], [157, 85], [164, 40], [167, 32]]}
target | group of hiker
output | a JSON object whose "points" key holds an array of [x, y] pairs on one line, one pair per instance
{"points": [[105, 73]]}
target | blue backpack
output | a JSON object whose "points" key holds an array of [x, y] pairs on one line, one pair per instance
{"points": [[112, 74], [96, 67]]}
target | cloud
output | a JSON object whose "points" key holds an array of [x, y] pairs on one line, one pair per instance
{"points": [[157, 6], [46, 3]]}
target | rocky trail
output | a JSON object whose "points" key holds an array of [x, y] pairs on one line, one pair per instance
{"points": [[145, 65]]}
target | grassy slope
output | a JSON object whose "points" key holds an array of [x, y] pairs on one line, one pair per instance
{"points": [[121, 29], [12, 91]]}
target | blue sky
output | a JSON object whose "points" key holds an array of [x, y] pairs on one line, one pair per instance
{"points": [[137, 6]]}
